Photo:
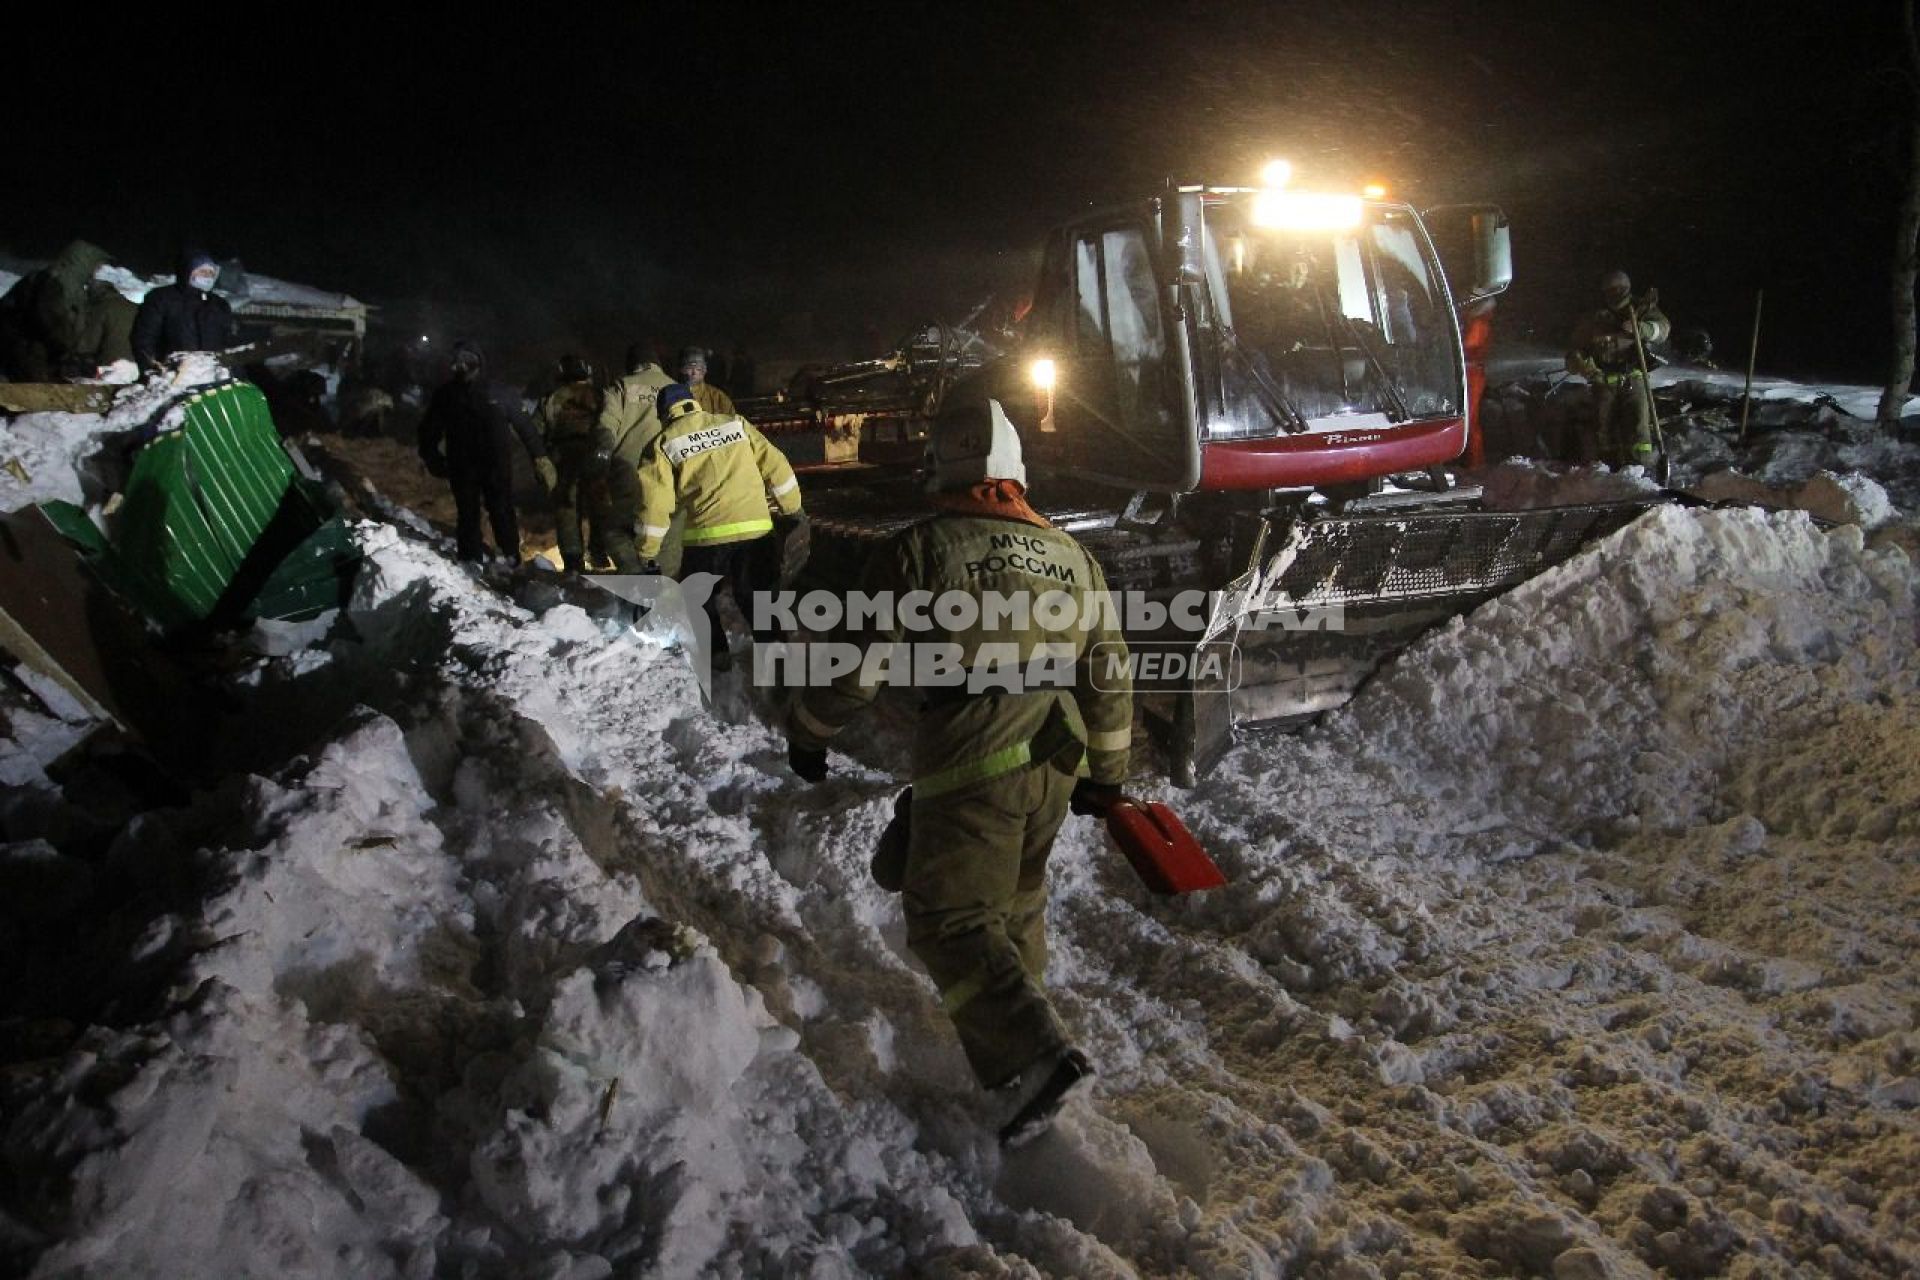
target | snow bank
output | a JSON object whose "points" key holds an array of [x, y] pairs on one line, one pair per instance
{"points": [[1581, 941]]}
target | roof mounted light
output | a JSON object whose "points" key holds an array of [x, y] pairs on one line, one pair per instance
{"points": [[1278, 173], [1306, 211], [1374, 191]]}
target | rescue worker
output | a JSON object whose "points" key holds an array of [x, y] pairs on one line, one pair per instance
{"points": [[1604, 353], [566, 419], [629, 423], [60, 322], [477, 427], [719, 471], [693, 372], [186, 315], [994, 771]]}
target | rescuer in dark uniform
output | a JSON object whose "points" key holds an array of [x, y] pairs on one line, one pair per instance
{"points": [[478, 428], [994, 772], [60, 322]]}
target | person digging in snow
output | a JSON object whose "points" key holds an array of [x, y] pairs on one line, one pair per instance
{"points": [[995, 770]]}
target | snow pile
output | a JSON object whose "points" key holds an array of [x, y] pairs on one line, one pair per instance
{"points": [[51, 450], [1580, 944]]}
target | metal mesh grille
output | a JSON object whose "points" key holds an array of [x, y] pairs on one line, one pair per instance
{"points": [[1410, 557]]}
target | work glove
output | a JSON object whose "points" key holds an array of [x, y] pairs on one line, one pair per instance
{"points": [[809, 763], [1092, 799], [548, 473], [436, 464]]}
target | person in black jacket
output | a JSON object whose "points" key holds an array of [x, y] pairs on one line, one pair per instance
{"points": [[186, 315], [477, 427]]}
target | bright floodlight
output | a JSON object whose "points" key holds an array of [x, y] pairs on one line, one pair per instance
{"points": [[1374, 191], [1043, 374], [1278, 173], [1305, 211]]}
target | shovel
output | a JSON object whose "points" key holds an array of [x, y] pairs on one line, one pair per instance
{"points": [[1158, 845], [1163, 852], [1663, 470]]}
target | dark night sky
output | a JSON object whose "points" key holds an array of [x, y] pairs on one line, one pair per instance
{"points": [[711, 174]]}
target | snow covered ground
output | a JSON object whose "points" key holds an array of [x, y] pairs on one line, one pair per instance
{"points": [[1580, 944]]}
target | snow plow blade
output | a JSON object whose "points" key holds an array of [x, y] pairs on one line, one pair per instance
{"points": [[218, 526], [1323, 603], [1304, 607]]}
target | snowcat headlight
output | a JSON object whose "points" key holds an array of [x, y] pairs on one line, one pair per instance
{"points": [[1278, 173], [1043, 373], [1305, 211]]}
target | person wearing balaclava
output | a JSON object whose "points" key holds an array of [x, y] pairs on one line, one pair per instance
{"points": [[996, 756], [186, 315]]}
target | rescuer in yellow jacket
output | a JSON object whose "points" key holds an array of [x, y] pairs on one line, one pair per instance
{"points": [[718, 472], [994, 766], [1605, 353], [565, 419], [693, 372], [629, 422]]}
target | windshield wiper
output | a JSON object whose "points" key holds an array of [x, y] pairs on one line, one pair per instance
{"points": [[1267, 391], [1396, 403]]}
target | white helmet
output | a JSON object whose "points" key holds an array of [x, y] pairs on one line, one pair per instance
{"points": [[972, 444]]}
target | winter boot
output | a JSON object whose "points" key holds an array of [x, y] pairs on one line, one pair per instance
{"points": [[1040, 1091]]}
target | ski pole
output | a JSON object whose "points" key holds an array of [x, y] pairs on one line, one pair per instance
{"points": [[1753, 353]]}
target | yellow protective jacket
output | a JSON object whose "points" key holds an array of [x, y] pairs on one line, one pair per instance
{"points": [[965, 736], [720, 471], [713, 399], [570, 412], [629, 422]]}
